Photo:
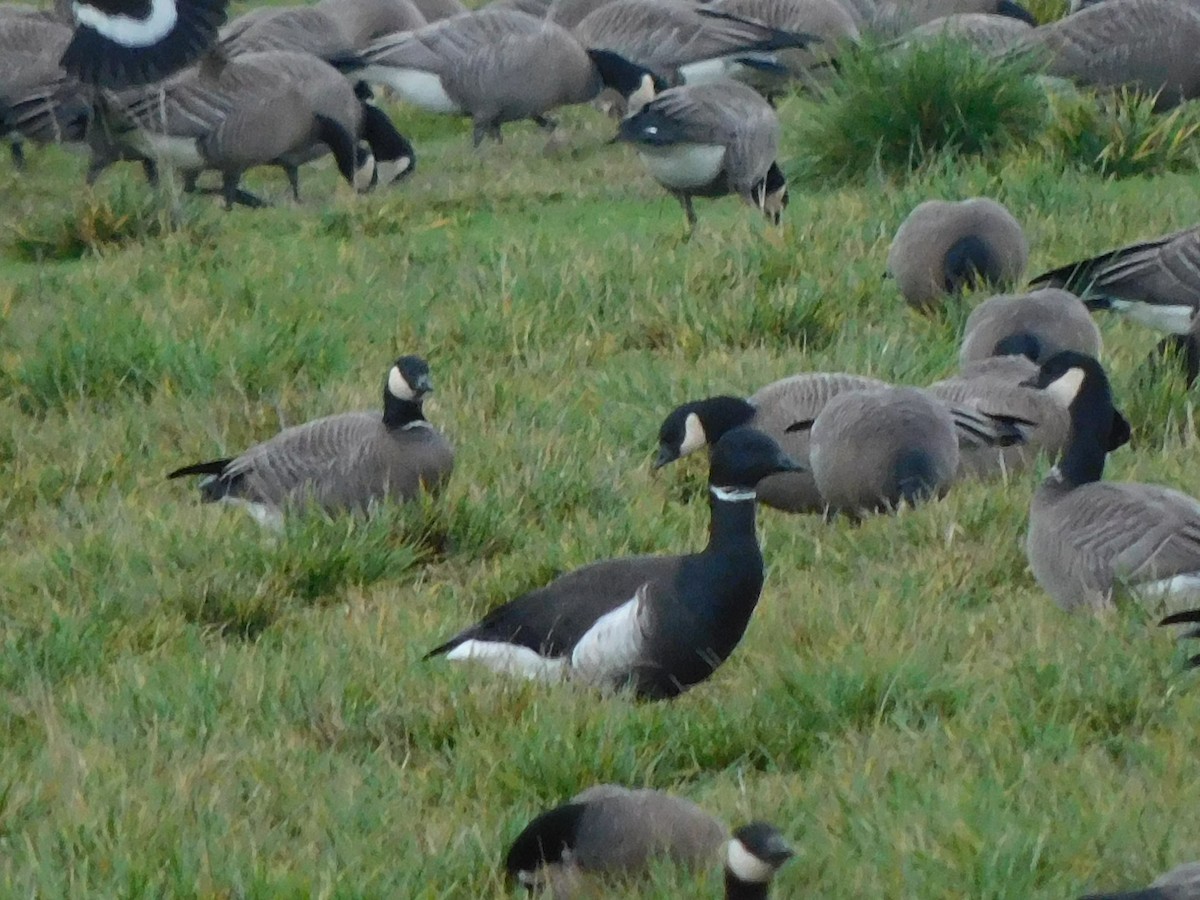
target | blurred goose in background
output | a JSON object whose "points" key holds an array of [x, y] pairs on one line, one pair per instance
{"points": [[497, 66], [1088, 537], [1189, 618], [436, 10], [34, 88], [537, 8], [344, 462], [944, 247], [1181, 883], [784, 410], [1148, 46], [619, 832], [893, 18], [656, 624], [1037, 325], [363, 21], [300, 29], [710, 140], [990, 34]]}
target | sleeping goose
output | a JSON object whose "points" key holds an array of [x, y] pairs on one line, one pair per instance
{"points": [[614, 831], [709, 140], [656, 624], [944, 247], [1181, 883], [348, 461], [1037, 325], [1088, 537]]}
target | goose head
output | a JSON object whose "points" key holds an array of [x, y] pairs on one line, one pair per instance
{"points": [[743, 457], [1079, 383], [770, 194], [693, 425], [755, 853]]}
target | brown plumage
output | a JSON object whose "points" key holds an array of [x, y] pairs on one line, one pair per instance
{"points": [[944, 247], [1038, 324], [301, 29], [992, 35], [1145, 45], [363, 21], [896, 17]]}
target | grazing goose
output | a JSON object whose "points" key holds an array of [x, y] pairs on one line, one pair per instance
{"points": [[709, 140], [944, 247], [990, 34], [1188, 617], [616, 831], [1036, 325], [1148, 46], [1181, 883], [342, 462], [1086, 536], [497, 66], [363, 21], [656, 624], [783, 410], [687, 44], [124, 43]]}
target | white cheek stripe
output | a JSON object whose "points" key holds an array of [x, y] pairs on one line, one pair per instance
{"points": [[126, 30], [732, 495], [746, 866]]}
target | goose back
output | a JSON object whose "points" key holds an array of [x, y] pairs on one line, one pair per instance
{"points": [[1045, 322], [990, 34], [363, 21]]}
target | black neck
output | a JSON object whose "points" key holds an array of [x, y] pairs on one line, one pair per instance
{"points": [[397, 413], [736, 889], [1091, 423], [732, 521]]}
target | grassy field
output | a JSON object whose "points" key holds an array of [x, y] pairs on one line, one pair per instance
{"points": [[191, 707]]}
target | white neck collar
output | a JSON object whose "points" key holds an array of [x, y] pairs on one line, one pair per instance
{"points": [[732, 495]]}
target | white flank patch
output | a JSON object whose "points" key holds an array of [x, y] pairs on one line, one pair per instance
{"points": [[126, 30], [178, 152], [391, 169], [423, 89], [683, 166], [1181, 587], [268, 517], [706, 71], [1064, 388], [746, 866], [732, 495], [693, 435], [1171, 319], [398, 385], [614, 643], [509, 659]]}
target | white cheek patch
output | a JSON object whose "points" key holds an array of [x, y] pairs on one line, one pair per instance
{"points": [[126, 30], [639, 98], [746, 866], [509, 659], [1064, 388], [693, 435], [398, 386]]}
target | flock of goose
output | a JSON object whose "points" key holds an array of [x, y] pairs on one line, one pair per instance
{"points": [[137, 80]]}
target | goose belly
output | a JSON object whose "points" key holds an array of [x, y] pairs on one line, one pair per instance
{"points": [[179, 152], [1175, 319], [1179, 590], [423, 89], [684, 167]]}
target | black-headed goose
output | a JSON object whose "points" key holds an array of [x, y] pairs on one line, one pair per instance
{"points": [[944, 247], [1088, 537], [784, 410], [1181, 883], [656, 624], [497, 66], [1037, 325], [123, 43], [710, 140], [614, 831], [342, 462]]}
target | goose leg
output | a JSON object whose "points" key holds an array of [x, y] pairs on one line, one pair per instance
{"points": [[689, 212], [234, 194], [293, 177], [17, 149], [150, 170]]}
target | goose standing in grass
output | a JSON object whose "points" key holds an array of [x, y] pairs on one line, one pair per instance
{"points": [[710, 140], [783, 410], [614, 831], [944, 247], [656, 624], [497, 66], [1088, 537], [1037, 325], [1181, 883], [1154, 282], [348, 461]]}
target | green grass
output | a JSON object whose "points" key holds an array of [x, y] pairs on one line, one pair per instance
{"points": [[192, 707]]}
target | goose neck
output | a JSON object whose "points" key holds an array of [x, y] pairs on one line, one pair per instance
{"points": [[732, 516], [397, 413], [1087, 446], [737, 889]]}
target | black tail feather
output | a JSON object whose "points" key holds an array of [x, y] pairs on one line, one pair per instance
{"points": [[1187, 615], [212, 467]]}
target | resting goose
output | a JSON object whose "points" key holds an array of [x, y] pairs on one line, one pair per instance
{"points": [[1037, 325], [1088, 537], [614, 831], [342, 462], [656, 624]]}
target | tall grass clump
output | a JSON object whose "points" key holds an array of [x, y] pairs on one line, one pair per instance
{"points": [[897, 109], [1120, 135]]}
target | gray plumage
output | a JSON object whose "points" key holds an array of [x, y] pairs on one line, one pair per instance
{"points": [[436, 10], [896, 17], [828, 20], [1145, 45], [873, 449], [538, 8], [569, 13], [944, 247], [363, 21], [344, 462], [1040, 324], [38, 100], [1181, 883], [708, 140], [990, 34], [300, 29]]}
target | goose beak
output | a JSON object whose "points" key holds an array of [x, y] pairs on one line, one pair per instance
{"points": [[423, 386], [778, 851], [665, 455]]}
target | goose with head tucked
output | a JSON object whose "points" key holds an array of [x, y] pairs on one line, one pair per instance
{"points": [[710, 140], [655, 624], [344, 462], [1036, 325], [617, 832], [1088, 537]]}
